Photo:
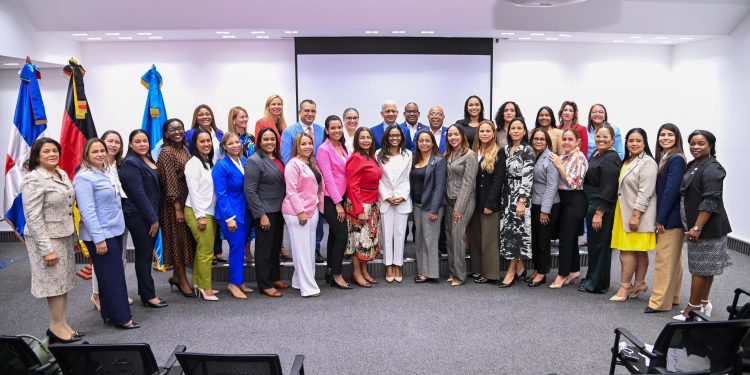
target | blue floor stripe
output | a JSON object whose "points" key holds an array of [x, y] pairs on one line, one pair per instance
{"points": [[5, 263]]}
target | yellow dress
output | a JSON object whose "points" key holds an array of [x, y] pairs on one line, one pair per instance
{"points": [[633, 241]]}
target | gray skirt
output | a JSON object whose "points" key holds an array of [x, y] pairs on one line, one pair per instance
{"points": [[708, 257]]}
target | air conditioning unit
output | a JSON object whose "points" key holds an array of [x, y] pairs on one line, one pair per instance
{"points": [[543, 3]]}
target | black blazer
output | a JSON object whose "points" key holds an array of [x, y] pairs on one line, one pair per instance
{"points": [[141, 185], [490, 185], [702, 189], [433, 189], [265, 188]]}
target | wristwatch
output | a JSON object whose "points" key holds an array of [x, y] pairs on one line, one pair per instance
{"points": [[696, 228]]}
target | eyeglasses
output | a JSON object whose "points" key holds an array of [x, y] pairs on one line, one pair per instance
{"points": [[175, 130], [351, 118], [535, 139], [435, 114], [411, 111]]}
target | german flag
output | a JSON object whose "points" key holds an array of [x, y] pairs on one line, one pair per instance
{"points": [[77, 126]]}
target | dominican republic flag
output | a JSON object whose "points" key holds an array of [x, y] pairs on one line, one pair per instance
{"points": [[77, 124], [30, 122], [154, 117]]}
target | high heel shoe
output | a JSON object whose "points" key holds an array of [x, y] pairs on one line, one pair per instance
{"points": [[129, 325], [173, 284], [340, 286], [508, 285], [147, 303], [243, 288], [573, 278], [521, 275], [556, 285], [533, 283], [190, 294], [53, 338], [636, 291], [236, 292], [706, 307], [202, 294], [389, 277], [628, 288], [96, 304], [683, 317]]}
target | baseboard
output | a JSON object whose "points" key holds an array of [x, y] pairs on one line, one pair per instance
{"points": [[738, 245]]}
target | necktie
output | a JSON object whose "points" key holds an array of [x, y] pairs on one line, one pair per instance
{"points": [[311, 133]]}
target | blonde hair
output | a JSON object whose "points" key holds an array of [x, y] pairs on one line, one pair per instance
{"points": [[85, 163], [267, 111], [226, 139], [295, 150], [233, 113], [490, 151]]}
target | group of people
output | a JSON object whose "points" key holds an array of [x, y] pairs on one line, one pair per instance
{"points": [[496, 188]]}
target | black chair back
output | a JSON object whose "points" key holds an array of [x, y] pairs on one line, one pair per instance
{"points": [[228, 364], [17, 357], [91, 359]]}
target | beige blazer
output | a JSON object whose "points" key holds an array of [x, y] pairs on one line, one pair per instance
{"points": [[637, 191], [48, 206]]}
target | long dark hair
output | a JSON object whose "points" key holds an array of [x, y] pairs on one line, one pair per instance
{"points": [[213, 118], [646, 148], [591, 123], [463, 148], [500, 121], [194, 148], [328, 121], [130, 140], [467, 118], [661, 155], [370, 153], [385, 147], [165, 138], [118, 156], [525, 138], [258, 141], [36, 150], [553, 121]]}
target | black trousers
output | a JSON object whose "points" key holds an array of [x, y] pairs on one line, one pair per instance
{"points": [[268, 249], [573, 208], [144, 250], [337, 236], [110, 273], [541, 235]]}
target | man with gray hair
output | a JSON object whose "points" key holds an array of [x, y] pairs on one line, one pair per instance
{"points": [[389, 111]]}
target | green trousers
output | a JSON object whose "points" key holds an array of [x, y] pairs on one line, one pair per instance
{"points": [[204, 249]]}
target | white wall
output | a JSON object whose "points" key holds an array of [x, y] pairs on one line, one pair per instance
{"points": [[20, 38]]}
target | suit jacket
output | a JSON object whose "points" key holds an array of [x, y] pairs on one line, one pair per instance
{"points": [[100, 206], [141, 185], [228, 187], [702, 189], [410, 139], [546, 180], [637, 191], [379, 129], [668, 192], [489, 186], [333, 168], [265, 188], [48, 207], [395, 183], [433, 188], [302, 190], [287, 139], [462, 174], [362, 179]]}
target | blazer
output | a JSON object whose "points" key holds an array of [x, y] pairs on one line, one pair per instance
{"points": [[141, 185], [99, 205], [462, 174], [489, 186], [302, 190], [362, 180], [394, 182], [546, 179], [411, 138], [604, 173], [228, 187], [265, 188], [433, 188], [702, 189], [637, 191], [379, 129], [333, 169], [48, 207], [287, 139], [200, 183], [668, 192]]}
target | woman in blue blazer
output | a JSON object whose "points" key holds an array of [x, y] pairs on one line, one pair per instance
{"points": [[140, 181], [231, 210]]}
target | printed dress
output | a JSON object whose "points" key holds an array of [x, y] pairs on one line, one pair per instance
{"points": [[515, 232], [178, 242]]}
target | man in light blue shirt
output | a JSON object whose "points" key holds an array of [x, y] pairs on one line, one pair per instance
{"points": [[411, 117], [307, 112]]}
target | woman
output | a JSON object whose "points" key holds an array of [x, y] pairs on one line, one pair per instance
{"points": [[600, 186], [597, 119], [395, 200], [203, 117], [545, 205], [505, 114], [668, 262], [484, 223], [140, 181], [636, 206], [47, 197], [101, 228], [515, 232], [703, 213], [200, 207], [427, 181], [568, 115], [273, 117], [361, 204], [231, 210], [473, 115], [238, 124], [462, 166], [265, 190], [572, 166], [304, 198], [545, 120], [177, 241], [331, 160], [351, 123]]}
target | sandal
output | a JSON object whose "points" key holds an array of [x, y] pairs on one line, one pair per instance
{"points": [[480, 280]]}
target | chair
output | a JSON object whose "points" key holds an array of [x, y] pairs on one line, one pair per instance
{"points": [[91, 359], [744, 311], [228, 364], [23, 354], [718, 343]]}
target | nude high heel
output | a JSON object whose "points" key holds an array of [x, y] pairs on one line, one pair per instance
{"points": [[627, 287]]}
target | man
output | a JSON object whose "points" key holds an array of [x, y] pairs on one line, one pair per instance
{"points": [[436, 116], [307, 112], [389, 111], [411, 117]]}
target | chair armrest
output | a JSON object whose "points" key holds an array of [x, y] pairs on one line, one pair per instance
{"points": [[732, 310], [298, 365], [634, 340], [42, 369], [173, 358]]}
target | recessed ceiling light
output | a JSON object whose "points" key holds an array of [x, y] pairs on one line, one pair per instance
{"points": [[552, 39], [537, 34], [222, 32], [155, 37], [564, 35], [524, 38], [143, 34], [686, 38], [111, 34], [661, 37], [427, 32], [11, 64], [262, 36], [125, 37], [79, 34], [291, 32], [257, 32], [618, 41], [94, 38], [398, 32], [635, 37], [228, 36], [508, 33], [371, 31]]}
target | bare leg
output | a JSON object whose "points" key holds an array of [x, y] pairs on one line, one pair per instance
{"points": [[511, 274], [181, 276], [365, 273], [57, 324], [627, 264], [357, 272]]}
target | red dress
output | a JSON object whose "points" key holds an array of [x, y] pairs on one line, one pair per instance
{"points": [[362, 178]]}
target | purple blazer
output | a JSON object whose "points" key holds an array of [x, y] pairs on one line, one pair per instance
{"points": [[333, 169], [301, 189]]}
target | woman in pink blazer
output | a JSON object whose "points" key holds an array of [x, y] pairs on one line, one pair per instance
{"points": [[304, 198]]}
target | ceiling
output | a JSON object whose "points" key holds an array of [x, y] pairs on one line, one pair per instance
{"points": [[610, 21]]}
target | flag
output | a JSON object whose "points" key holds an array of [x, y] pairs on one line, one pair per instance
{"points": [[77, 126], [154, 117], [30, 123]]}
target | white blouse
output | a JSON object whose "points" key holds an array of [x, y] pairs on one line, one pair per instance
{"points": [[200, 185]]}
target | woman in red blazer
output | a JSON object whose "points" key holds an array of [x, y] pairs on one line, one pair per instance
{"points": [[363, 220]]}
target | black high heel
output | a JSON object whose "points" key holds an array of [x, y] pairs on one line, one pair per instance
{"points": [[147, 303], [504, 285], [131, 325], [337, 285], [53, 338], [173, 283], [191, 294]]}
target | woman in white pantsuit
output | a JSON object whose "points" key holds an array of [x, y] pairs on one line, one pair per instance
{"points": [[395, 199], [301, 207]]}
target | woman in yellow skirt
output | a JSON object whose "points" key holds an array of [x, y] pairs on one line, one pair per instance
{"points": [[633, 232]]}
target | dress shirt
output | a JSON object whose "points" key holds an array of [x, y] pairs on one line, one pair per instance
{"points": [[114, 176], [287, 139], [200, 185], [100, 206]]}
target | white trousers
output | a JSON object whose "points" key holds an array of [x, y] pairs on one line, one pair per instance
{"points": [[394, 235], [302, 241]]}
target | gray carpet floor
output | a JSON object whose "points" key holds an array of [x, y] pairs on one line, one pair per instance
{"points": [[391, 328]]}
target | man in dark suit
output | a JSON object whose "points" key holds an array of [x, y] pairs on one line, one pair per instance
{"points": [[389, 111], [411, 115]]}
